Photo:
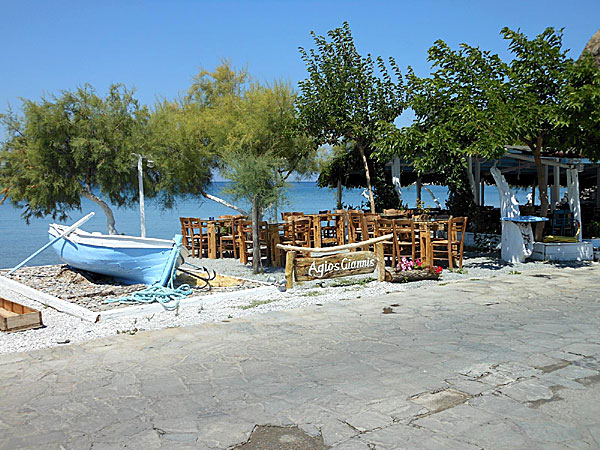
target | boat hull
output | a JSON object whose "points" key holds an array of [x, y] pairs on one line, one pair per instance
{"points": [[134, 264]]}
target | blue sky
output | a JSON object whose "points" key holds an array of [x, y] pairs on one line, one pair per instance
{"points": [[157, 46]]}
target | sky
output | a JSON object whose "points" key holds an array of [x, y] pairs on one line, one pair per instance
{"points": [[157, 47]]}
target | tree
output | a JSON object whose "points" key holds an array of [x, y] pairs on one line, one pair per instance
{"points": [[246, 131], [343, 99], [262, 147], [474, 104], [71, 146], [186, 134]]}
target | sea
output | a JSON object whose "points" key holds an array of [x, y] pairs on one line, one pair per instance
{"points": [[18, 239]]}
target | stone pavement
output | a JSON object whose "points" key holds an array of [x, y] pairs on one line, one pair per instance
{"points": [[505, 362]]}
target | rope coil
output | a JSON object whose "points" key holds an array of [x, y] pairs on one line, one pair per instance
{"points": [[168, 296]]}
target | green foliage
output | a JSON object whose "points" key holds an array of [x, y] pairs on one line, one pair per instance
{"points": [[344, 98], [473, 104], [65, 146], [262, 145]]}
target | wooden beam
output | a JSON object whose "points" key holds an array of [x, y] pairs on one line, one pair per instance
{"points": [[48, 300], [337, 247], [544, 161]]}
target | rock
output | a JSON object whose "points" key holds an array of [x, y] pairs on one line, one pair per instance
{"points": [[593, 47]]}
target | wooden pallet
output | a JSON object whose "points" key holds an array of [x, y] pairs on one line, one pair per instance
{"points": [[16, 317]]}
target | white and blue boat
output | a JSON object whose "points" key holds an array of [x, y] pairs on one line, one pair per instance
{"points": [[130, 259]]}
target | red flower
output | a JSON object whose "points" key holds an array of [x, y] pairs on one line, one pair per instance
{"points": [[438, 270]]}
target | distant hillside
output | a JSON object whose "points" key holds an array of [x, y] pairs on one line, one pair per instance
{"points": [[593, 46]]}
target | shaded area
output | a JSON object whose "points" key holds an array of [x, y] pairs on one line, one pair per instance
{"points": [[266, 437]]}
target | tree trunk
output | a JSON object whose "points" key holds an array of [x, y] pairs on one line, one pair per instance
{"points": [[256, 216], [110, 218], [339, 205], [368, 176], [542, 186], [419, 194], [223, 202]]}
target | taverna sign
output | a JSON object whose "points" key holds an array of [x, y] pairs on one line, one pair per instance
{"points": [[333, 266]]}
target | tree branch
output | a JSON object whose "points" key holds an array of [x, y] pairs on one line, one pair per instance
{"points": [[222, 202]]}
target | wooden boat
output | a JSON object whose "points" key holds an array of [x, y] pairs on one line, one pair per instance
{"points": [[129, 259]]}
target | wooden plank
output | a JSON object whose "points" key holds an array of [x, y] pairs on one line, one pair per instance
{"points": [[7, 313], [340, 265], [49, 300]]}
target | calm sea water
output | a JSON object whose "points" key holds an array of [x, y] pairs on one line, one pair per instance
{"points": [[18, 240]]}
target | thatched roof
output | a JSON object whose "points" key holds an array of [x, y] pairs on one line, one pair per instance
{"points": [[593, 47]]}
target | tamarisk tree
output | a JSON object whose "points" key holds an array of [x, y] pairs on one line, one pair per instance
{"points": [[74, 145]]}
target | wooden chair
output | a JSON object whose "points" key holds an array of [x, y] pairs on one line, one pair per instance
{"points": [[228, 236], [246, 244], [451, 248], [386, 226], [199, 238], [369, 228], [405, 239], [186, 232], [354, 226], [302, 231], [328, 230]]}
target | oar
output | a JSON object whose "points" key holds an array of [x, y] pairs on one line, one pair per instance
{"points": [[63, 234]]}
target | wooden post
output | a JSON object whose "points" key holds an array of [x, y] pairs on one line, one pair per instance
{"points": [[275, 252], [339, 194], [380, 261], [211, 230], [290, 259]]}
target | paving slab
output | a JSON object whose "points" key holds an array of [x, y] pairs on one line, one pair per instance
{"points": [[508, 362]]}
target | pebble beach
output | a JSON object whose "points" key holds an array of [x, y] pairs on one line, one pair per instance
{"points": [[63, 329]]}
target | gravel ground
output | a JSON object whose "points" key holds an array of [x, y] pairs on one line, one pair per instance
{"points": [[63, 329]]}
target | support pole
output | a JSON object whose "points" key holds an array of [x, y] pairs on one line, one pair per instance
{"points": [[477, 181], [546, 174], [339, 194], [141, 191], [555, 192], [482, 195], [419, 201]]}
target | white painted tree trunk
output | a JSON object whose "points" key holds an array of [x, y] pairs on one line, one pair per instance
{"points": [[110, 218], [517, 238], [396, 170], [573, 195]]}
